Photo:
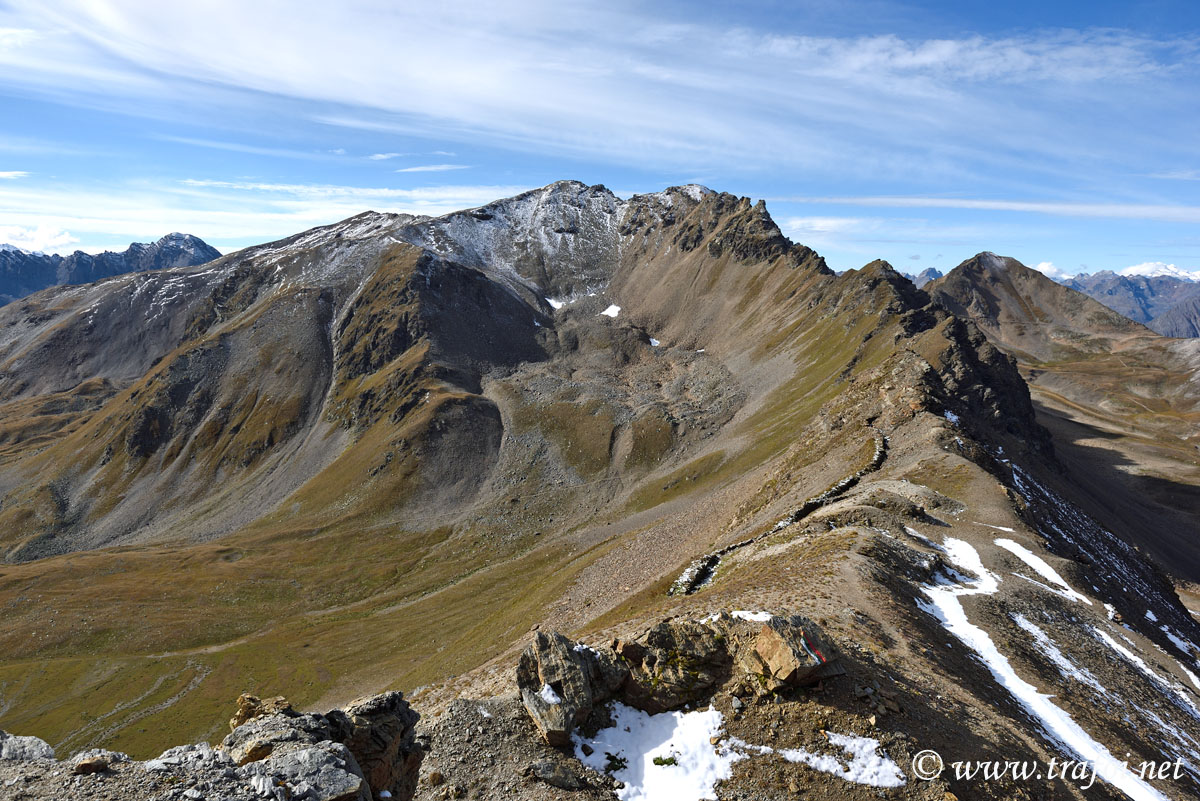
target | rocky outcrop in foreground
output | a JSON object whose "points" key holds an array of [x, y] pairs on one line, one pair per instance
{"points": [[363, 752], [673, 665]]}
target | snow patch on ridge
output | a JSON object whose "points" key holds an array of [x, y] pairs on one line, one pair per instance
{"points": [[682, 738], [689, 765], [1065, 666], [1042, 568], [945, 606], [866, 766]]}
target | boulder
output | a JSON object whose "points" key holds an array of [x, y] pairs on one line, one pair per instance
{"points": [[788, 652], [379, 732], [251, 706], [678, 663], [197, 757], [24, 749], [89, 765], [264, 736], [556, 774], [326, 771], [560, 682]]}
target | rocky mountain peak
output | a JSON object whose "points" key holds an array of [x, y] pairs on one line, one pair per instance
{"points": [[23, 273]]}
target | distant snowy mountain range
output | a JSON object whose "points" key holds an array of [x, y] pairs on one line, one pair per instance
{"points": [[1161, 296], [23, 272], [1157, 269]]}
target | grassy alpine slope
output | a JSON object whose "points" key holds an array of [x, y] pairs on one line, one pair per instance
{"points": [[375, 455]]}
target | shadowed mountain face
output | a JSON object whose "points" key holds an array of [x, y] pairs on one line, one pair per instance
{"points": [[1123, 400], [375, 454], [1027, 311], [1182, 319], [1164, 303], [23, 273]]}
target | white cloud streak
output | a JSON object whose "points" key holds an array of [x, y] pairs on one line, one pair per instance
{"points": [[254, 150], [434, 168], [41, 238], [1178, 175], [10, 175], [619, 82], [227, 213], [1129, 211], [1048, 269]]}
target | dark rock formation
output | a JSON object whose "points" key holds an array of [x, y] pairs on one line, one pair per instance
{"points": [[674, 664]]}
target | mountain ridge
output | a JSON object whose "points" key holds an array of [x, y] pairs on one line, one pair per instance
{"points": [[375, 455], [1164, 303], [24, 272]]}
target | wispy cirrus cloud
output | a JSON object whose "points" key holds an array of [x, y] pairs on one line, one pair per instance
{"points": [[623, 82], [434, 168], [226, 213], [255, 150], [448, 197], [11, 38], [1177, 175], [9, 175], [1139, 211]]}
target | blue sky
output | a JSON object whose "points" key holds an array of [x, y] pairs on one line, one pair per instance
{"points": [[1062, 134]]}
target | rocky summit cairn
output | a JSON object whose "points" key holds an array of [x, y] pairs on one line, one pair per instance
{"points": [[674, 664]]}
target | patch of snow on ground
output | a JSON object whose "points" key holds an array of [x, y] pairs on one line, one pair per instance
{"points": [[654, 343], [742, 614], [1042, 568], [919, 537], [1191, 676], [1065, 666], [866, 766], [1111, 610], [953, 418], [1153, 618], [612, 311], [1177, 641], [556, 304], [1149, 672], [638, 737], [548, 695], [944, 604], [998, 528], [484, 713]]}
